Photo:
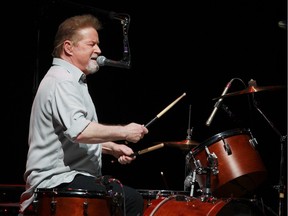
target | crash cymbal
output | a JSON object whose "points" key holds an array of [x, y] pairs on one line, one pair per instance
{"points": [[186, 144], [251, 89]]}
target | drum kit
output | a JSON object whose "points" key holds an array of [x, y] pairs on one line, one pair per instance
{"points": [[217, 165], [226, 167]]}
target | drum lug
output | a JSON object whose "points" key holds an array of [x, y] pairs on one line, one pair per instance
{"points": [[53, 207], [85, 208], [35, 205], [227, 147]]}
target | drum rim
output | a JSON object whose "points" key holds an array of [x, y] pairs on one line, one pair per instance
{"points": [[162, 192], [59, 192], [215, 138]]}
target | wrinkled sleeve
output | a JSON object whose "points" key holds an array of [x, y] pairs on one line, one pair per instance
{"points": [[69, 109]]}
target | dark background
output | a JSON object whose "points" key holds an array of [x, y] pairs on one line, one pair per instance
{"points": [[177, 47]]}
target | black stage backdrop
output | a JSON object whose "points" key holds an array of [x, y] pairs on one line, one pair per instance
{"points": [[175, 48]]}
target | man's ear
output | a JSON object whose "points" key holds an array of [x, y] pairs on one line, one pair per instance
{"points": [[68, 47]]}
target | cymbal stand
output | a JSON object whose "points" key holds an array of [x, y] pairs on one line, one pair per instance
{"points": [[190, 181], [189, 129], [283, 142], [188, 137], [193, 183]]}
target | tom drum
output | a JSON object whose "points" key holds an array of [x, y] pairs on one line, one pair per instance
{"points": [[240, 168]]}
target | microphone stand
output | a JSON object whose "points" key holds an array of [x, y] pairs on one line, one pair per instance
{"points": [[126, 48], [283, 142]]}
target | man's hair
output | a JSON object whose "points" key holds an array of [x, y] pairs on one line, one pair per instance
{"points": [[68, 30]]}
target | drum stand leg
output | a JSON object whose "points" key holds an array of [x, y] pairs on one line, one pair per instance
{"points": [[190, 181], [193, 183], [206, 192]]}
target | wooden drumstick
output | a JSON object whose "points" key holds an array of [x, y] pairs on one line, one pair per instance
{"points": [[149, 149], [165, 110]]}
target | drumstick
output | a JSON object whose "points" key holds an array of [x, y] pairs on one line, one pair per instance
{"points": [[162, 112], [149, 149], [165, 110], [152, 148]]}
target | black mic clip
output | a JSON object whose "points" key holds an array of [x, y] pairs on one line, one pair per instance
{"points": [[227, 110], [253, 84]]}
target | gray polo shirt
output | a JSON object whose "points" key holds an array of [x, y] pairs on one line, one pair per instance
{"points": [[61, 110]]}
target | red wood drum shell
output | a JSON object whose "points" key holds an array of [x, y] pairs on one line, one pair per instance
{"points": [[75, 202], [240, 171], [182, 205]]}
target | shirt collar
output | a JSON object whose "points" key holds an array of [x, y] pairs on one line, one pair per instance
{"points": [[76, 72], [83, 78]]}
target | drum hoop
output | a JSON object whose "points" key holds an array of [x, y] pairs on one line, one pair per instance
{"points": [[173, 192], [219, 136], [162, 192], [58, 192], [160, 204], [174, 196]]}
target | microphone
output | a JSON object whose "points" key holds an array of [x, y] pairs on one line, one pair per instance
{"points": [[217, 104], [103, 61]]}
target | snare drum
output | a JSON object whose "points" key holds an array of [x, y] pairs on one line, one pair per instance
{"points": [[75, 202]]}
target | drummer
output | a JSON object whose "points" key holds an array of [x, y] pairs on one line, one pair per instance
{"points": [[65, 138]]}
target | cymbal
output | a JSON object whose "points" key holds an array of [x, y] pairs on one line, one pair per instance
{"points": [[186, 144], [251, 89]]}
